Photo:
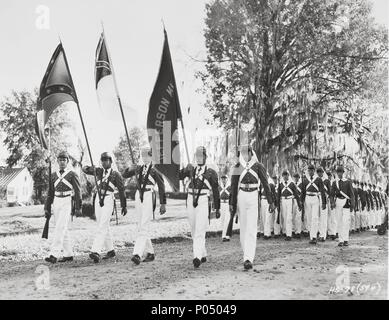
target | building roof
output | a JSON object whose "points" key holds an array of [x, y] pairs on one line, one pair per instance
{"points": [[8, 174]]}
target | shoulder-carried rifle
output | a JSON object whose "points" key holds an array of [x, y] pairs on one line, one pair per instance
{"points": [[45, 233]]}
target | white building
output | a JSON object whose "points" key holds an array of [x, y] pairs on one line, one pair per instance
{"points": [[18, 185]]}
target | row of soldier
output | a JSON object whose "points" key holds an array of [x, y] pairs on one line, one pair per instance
{"points": [[316, 205]]}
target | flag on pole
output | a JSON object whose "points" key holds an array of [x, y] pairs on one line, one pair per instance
{"points": [[162, 120], [56, 88]]}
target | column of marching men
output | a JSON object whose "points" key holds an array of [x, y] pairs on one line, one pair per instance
{"points": [[318, 204]]}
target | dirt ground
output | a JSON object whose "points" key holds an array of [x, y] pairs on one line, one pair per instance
{"points": [[282, 270]]}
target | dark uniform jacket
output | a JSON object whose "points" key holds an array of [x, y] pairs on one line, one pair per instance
{"points": [[199, 183], [362, 198], [377, 199], [225, 192], [313, 185], [356, 198], [248, 178], [370, 199], [288, 189], [115, 178], [346, 187], [71, 178], [143, 184]]}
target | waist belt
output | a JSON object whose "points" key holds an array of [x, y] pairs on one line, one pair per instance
{"points": [[287, 197], [201, 194], [340, 197], [312, 193], [248, 189], [263, 198], [62, 194]]}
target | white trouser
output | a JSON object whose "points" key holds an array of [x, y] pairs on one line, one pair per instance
{"points": [[382, 215], [364, 218], [312, 211], [287, 215], [144, 214], [62, 211], [198, 220], [261, 219], [371, 217], [378, 217], [248, 216], [297, 223], [352, 220], [276, 225], [225, 216], [358, 219], [323, 221], [343, 215], [103, 237], [332, 221], [266, 217]]}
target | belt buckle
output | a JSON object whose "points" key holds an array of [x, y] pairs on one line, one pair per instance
{"points": [[247, 186]]}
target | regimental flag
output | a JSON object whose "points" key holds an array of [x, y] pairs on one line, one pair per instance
{"points": [[56, 88], [162, 118], [103, 65]]}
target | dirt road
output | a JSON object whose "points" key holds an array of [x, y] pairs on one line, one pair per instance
{"points": [[282, 270]]}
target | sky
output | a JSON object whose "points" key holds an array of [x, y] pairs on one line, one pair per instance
{"points": [[30, 32]]}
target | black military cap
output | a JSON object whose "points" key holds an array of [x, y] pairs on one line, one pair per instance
{"points": [[311, 167], [285, 173], [223, 176], [340, 169], [296, 175], [320, 169], [63, 154], [105, 156]]}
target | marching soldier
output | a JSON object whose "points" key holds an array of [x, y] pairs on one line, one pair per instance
{"points": [[287, 193], [362, 205], [377, 203], [358, 211], [342, 199], [247, 174], [331, 224], [266, 215], [203, 180], [297, 211], [224, 190], [323, 220], [276, 226], [353, 214], [109, 182], [147, 180], [312, 194], [65, 184], [371, 204]]}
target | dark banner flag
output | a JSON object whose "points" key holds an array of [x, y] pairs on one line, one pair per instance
{"points": [[56, 88], [162, 120]]}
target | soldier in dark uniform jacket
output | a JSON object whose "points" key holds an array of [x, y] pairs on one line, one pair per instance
{"points": [[377, 203], [147, 178], [297, 211], [203, 180], [287, 193], [342, 198], [312, 193], [323, 219], [247, 175], [371, 205], [225, 191], [64, 186], [362, 205], [108, 183]]}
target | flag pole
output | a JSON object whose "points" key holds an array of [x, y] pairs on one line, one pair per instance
{"points": [[176, 92], [82, 124], [118, 96]]}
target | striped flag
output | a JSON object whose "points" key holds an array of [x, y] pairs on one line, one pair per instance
{"points": [[56, 88]]}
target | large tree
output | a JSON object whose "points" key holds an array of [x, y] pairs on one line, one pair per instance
{"points": [[289, 65]]}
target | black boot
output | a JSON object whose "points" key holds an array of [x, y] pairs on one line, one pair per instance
{"points": [[288, 238], [51, 259], [345, 244], [247, 265], [95, 257], [135, 259], [109, 255], [203, 259], [340, 244], [313, 241], [196, 262], [149, 257]]}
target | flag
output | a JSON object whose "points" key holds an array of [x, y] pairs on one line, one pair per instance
{"points": [[162, 120], [107, 92], [56, 88]]}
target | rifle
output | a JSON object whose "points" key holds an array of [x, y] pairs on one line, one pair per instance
{"points": [[45, 233]]}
